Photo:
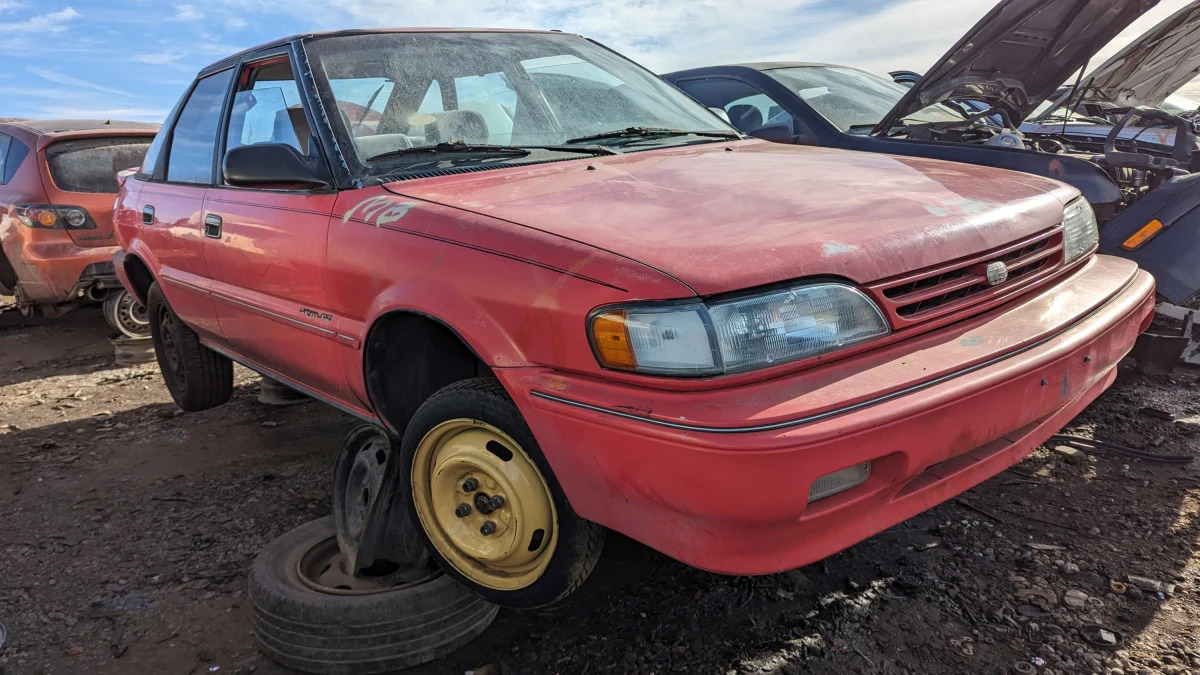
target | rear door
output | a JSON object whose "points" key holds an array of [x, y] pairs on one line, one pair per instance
{"points": [[266, 247], [81, 178], [172, 204]]}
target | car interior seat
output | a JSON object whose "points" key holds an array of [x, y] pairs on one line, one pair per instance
{"points": [[467, 126], [745, 117]]}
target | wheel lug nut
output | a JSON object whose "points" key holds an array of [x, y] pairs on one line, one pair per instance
{"points": [[497, 502], [487, 528], [470, 485], [463, 510]]}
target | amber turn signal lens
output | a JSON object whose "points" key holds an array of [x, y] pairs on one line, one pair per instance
{"points": [[47, 218], [612, 341], [1143, 235]]}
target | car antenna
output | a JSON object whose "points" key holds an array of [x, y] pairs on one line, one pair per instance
{"points": [[1067, 117]]}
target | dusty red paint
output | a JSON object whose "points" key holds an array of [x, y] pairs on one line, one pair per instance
{"points": [[48, 263], [515, 259]]}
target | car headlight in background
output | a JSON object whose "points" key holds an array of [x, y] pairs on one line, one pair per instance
{"points": [[729, 336], [1080, 230]]}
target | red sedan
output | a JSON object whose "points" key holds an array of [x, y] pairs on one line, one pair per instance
{"points": [[580, 300]]}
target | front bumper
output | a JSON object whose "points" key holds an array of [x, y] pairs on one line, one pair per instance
{"points": [[720, 479]]}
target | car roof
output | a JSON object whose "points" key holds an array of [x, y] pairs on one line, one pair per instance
{"points": [[52, 127], [759, 66], [234, 58]]}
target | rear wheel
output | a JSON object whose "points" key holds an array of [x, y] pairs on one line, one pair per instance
{"points": [[493, 513], [124, 312], [197, 377]]}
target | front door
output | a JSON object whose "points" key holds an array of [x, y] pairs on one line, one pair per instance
{"points": [[266, 247]]}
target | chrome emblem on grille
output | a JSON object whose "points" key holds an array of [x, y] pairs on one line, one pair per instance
{"points": [[997, 273]]}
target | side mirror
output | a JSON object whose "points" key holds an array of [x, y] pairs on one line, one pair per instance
{"points": [[271, 164], [778, 133]]}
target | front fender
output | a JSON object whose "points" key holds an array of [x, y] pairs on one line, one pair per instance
{"points": [[1172, 255], [476, 324]]}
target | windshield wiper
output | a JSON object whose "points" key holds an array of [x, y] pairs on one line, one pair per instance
{"points": [[647, 132], [461, 148], [455, 148], [586, 149]]}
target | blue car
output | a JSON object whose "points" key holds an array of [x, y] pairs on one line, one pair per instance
{"points": [[1146, 196]]}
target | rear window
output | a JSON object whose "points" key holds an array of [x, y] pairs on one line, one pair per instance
{"points": [[91, 164]]}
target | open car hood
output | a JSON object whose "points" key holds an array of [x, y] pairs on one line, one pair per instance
{"points": [[1152, 67], [1019, 53]]}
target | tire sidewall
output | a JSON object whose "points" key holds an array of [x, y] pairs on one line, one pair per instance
{"points": [[501, 412], [176, 384]]}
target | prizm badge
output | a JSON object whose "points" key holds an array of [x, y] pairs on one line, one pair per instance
{"points": [[997, 273], [320, 316]]}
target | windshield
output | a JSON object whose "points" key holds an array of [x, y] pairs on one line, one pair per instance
{"points": [[853, 99], [402, 91]]}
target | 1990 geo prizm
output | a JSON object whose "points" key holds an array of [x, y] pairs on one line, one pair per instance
{"points": [[579, 300]]}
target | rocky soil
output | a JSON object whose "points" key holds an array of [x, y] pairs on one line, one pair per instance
{"points": [[126, 529]]}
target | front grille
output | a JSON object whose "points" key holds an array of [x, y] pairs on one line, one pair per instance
{"points": [[938, 291]]}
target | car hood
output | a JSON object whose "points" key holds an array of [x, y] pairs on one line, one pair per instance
{"points": [[1152, 67], [729, 216], [1019, 54]]}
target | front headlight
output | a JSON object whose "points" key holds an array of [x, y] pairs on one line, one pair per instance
{"points": [[1080, 230], [729, 336]]}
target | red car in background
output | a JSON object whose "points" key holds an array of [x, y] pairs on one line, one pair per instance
{"points": [[58, 179], [579, 300]]}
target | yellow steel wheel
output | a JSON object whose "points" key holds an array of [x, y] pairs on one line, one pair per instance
{"points": [[484, 504]]}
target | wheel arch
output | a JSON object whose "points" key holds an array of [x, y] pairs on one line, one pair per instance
{"points": [[408, 355], [139, 275]]}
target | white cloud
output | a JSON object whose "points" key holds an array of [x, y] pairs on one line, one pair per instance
{"points": [[674, 34], [72, 81], [187, 13], [236, 23], [53, 23], [169, 56], [100, 112], [11, 5]]}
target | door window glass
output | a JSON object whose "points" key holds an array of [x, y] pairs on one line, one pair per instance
{"points": [[17, 151], [268, 110], [194, 138], [4, 140]]}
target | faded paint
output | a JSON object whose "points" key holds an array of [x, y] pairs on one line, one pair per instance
{"points": [[839, 248], [726, 221]]}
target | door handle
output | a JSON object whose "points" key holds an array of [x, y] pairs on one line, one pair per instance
{"points": [[148, 215], [212, 226]]}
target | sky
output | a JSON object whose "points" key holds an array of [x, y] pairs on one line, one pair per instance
{"points": [[82, 58]]}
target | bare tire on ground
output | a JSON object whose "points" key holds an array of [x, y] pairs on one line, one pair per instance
{"points": [[125, 313], [310, 615], [197, 377], [492, 512]]}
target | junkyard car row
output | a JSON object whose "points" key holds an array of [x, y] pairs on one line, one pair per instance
{"points": [[567, 297]]}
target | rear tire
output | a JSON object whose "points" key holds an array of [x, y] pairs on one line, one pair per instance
{"points": [[197, 377], [126, 314], [303, 624]]}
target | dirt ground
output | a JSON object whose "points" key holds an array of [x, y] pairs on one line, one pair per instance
{"points": [[126, 529]]}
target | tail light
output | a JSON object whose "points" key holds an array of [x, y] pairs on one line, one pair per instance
{"points": [[51, 217]]}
